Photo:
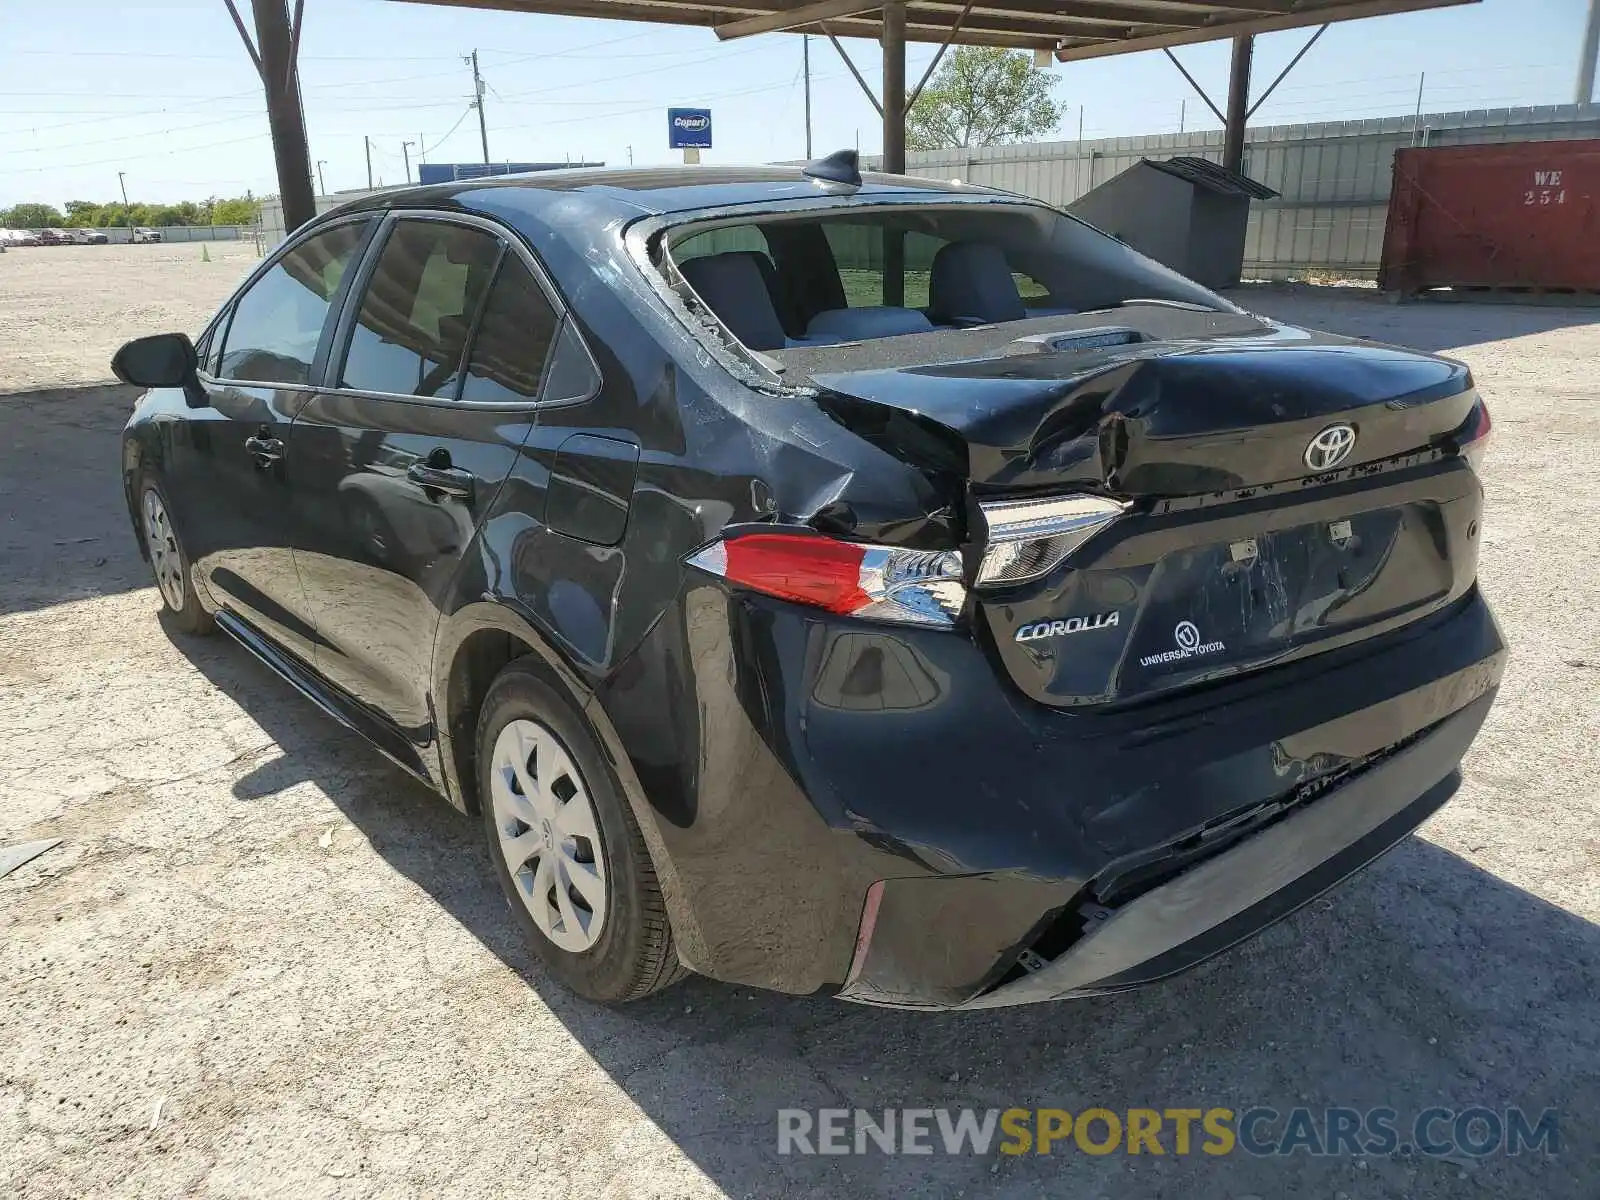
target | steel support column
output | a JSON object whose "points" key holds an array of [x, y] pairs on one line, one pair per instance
{"points": [[1238, 104], [280, 78], [1588, 53], [894, 141], [894, 86]]}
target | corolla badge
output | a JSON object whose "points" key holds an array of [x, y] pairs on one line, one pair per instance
{"points": [[1330, 447], [1050, 629]]}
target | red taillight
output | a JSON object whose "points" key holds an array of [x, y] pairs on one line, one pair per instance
{"points": [[875, 583], [808, 570]]}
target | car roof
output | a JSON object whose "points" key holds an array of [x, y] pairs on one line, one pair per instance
{"points": [[644, 190]]}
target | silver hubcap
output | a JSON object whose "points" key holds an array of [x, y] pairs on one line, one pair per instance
{"points": [[164, 557], [547, 834]]}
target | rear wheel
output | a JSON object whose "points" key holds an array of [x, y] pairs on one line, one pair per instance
{"points": [[566, 848], [169, 563]]}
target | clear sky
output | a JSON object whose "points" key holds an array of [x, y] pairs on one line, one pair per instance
{"points": [[162, 90]]}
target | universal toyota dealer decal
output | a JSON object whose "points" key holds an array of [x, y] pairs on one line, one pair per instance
{"points": [[1187, 635]]}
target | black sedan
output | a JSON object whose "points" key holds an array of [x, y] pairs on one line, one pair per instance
{"points": [[866, 586]]}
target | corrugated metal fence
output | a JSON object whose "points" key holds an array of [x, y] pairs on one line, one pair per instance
{"points": [[184, 233], [1334, 177]]}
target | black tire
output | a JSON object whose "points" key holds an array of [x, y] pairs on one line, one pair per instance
{"points": [[189, 617], [634, 954]]}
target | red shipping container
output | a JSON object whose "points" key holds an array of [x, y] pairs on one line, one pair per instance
{"points": [[1514, 215]]}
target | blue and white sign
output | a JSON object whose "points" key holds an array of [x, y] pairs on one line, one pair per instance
{"points": [[688, 129]]}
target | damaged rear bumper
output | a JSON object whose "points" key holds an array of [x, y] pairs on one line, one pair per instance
{"points": [[875, 814], [1262, 879]]}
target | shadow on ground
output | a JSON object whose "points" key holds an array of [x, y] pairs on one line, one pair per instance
{"points": [[64, 530], [1422, 982]]}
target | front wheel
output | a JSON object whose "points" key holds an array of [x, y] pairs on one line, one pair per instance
{"points": [[566, 848], [169, 563]]}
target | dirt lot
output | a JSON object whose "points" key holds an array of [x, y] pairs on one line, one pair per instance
{"points": [[265, 963], [64, 310]]}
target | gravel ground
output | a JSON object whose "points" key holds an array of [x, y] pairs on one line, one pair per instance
{"points": [[264, 962], [64, 310]]}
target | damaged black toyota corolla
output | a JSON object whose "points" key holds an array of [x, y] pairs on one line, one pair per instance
{"points": [[887, 589]]}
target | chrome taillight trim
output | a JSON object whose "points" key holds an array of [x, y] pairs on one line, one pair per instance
{"points": [[1028, 538], [915, 587]]}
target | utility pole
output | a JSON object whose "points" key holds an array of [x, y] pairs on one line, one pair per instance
{"points": [[1416, 121], [405, 148], [127, 217], [630, 156], [1183, 114], [422, 152], [1588, 55], [1077, 161], [1238, 104], [322, 188], [805, 53], [477, 93], [368, 142]]}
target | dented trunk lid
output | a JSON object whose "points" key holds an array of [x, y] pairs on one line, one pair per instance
{"points": [[1234, 553]]}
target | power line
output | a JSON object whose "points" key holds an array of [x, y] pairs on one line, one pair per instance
{"points": [[128, 137], [141, 157]]}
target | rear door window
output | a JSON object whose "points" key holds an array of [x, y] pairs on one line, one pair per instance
{"points": [[279, 320], [418, 308], [514, 338]]}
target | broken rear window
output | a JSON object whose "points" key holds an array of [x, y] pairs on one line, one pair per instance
{"points": [[855, 272]]}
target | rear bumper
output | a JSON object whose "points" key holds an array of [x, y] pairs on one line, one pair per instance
{"points": [[1262, 879], [874, 813]]}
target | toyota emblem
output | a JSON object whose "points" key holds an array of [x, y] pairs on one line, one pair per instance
{"points": [[1330, 447]]}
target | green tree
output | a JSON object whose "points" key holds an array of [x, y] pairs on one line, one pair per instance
{"points": [[241, 210], [31, 216], [982, 96], [159, 214], [82, 212]]}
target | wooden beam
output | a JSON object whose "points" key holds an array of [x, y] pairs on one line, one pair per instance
{"points": [[792, 16], [1124, 14], [998, 10], [1199, 91], [244, 36], [1073, 29], [925, 25], [1227, 6], [1298, 20], [854, 71], [916, 92]]}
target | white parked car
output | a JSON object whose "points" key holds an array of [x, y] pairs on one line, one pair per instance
{"points": [[141, 234]]}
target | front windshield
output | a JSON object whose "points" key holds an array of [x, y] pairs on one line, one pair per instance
{"points": [[858, 272]]}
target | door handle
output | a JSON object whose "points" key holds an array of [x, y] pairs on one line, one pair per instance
{"points": [[451, 481], [264, 449]]}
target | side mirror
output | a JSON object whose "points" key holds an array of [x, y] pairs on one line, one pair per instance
{"points": [[162, 360]]}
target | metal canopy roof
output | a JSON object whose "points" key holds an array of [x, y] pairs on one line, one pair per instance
{"points": [[1073, 29]]}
